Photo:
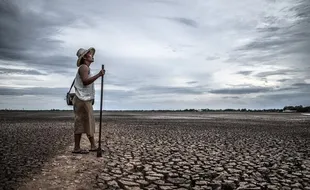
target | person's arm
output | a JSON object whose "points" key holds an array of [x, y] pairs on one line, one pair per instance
{"points": [[83, 71]]}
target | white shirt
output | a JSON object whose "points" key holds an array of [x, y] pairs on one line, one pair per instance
{"points": [[84, 92]]}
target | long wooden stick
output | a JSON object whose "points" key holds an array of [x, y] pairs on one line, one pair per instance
{"points": [[99, 151]]}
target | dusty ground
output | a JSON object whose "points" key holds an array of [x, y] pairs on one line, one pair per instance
{"points": [[158, 151]]}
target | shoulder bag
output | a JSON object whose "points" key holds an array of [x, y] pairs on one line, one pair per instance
{"points": [[70, 96]]}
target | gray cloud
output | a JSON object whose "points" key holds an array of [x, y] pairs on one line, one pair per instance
{"points": [[281, 72], [270, 29], [185, 21], [211, 58], [192, 82], [117, 95], [284, 80], [34, 91], [231, 97], [246, 73], [245, 90], [302, 85], [169, 2], [287, 89], [20, 71], [171, 90], [26, 32], [298, 98], [274, 44], [279, 43], [279, 39], [297, 87]]}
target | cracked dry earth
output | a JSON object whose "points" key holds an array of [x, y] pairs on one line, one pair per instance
{"points": [[200, 151]]}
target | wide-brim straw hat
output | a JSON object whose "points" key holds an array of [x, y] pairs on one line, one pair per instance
{"points": [[81, 52]]}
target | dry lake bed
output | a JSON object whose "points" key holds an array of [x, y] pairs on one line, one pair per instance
{"points": [[157, 150]]}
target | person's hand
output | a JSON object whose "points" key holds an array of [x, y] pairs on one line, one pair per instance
{"points": [[101, 73]]}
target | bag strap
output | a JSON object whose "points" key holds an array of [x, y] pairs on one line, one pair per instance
{"points": [[71, 86]]}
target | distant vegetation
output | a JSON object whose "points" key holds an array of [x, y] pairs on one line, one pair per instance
{"points": [[299, 108], [285, 109], [25, 110]]}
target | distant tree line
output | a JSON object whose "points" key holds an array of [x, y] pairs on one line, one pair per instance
{"points": [[235, 110], [286, 108], [297, 108]]}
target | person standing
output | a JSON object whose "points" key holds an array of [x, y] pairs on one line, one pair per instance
{"points": [[84, 121]]}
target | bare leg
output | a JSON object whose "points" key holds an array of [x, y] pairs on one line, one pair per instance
{"points": [[92, 143], [77, 140]]}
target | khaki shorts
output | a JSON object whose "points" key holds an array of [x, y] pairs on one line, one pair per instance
{"points": [[84, 121]]}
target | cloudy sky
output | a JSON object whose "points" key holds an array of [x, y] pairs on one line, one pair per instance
{"points": [[158, 54]]}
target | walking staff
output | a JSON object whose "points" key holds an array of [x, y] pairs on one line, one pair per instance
{"points": [[99, 151]]}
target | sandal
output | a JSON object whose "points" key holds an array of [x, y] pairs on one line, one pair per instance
{"points": [[93, 150], [81, 151]]}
